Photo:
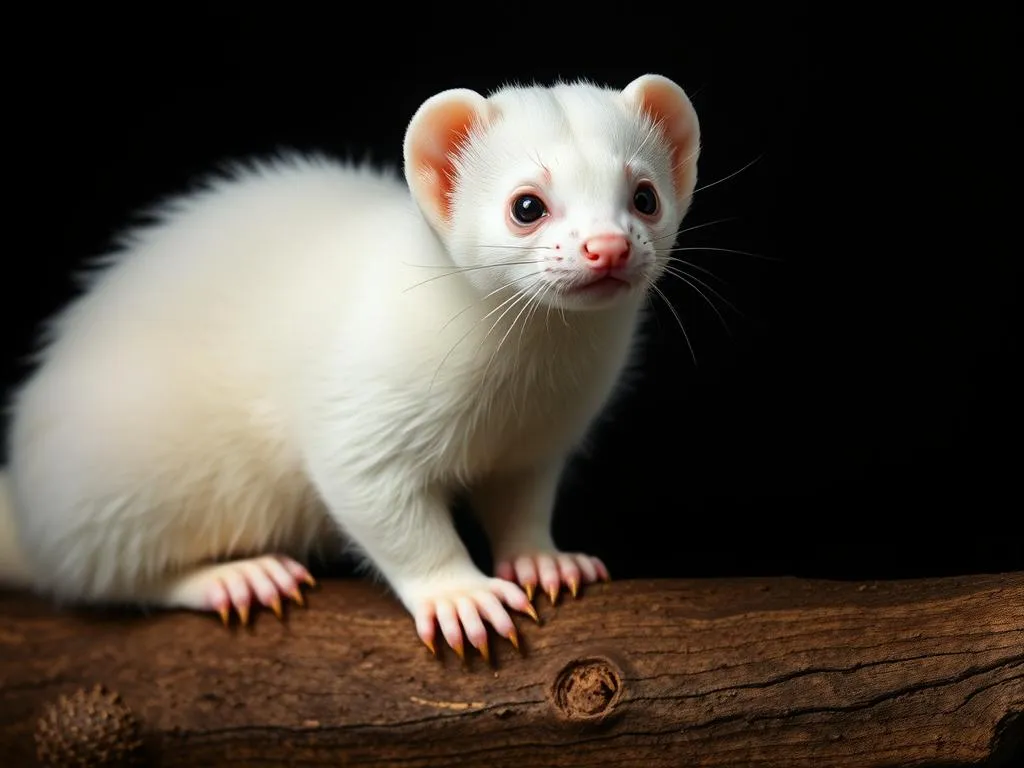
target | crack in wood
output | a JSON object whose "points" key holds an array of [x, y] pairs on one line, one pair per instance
{"points": [[852, 707], [896, 665], [855, 667]]}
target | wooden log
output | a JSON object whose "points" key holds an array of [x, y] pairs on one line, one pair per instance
{"points": [[745, 672]]}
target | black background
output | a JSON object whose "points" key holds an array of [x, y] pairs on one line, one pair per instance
{"points": [[861, 418]]}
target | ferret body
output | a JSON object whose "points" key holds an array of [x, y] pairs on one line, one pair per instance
{"points": [[305, 347]]}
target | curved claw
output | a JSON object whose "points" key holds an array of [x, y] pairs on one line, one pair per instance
{"points": [[464, 609], [547, 571], [532, 613], [240, 586]]}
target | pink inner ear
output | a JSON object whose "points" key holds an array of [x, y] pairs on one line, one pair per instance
{"points": [[675, 117], [432, 151]]}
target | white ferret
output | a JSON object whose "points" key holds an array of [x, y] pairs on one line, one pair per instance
{"points": [[307, 347]]}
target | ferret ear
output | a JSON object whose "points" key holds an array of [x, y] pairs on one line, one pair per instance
{"points": [[432, 141], [670, 107]]}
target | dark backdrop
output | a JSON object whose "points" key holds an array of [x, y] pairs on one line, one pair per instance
{"points": [[861, 417]]}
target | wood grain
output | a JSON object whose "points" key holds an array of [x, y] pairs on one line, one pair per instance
{"points": [[747, 672]]}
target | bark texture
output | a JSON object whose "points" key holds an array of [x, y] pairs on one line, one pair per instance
{"points": [[745, 672]]}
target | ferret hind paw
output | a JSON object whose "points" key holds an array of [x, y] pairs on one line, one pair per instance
{"points": [[239, 584], [551, 570], [460, 607]]}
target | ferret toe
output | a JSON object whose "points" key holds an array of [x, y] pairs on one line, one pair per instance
{"points": [[236, 585], [463, 614], [550, 571], [448, 620]]}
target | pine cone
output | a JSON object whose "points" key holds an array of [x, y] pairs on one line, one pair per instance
{"points": [[86, 729]]}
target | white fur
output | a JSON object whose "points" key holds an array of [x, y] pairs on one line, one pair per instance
{"points": [[271, 358]]}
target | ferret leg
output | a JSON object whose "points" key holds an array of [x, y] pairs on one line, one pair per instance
{"points": [[408, 534], [516, 511], [236, 584]]}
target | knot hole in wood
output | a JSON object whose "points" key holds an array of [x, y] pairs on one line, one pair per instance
{"points": [[587, 688]]}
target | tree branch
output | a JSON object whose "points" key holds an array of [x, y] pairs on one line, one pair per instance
{"points": [[745, 672]]}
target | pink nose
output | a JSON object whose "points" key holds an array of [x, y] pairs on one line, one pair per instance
{"points": [[606, 251]]}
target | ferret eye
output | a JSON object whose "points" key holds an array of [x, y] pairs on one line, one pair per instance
{"points": [[527, 209], [645, 199]]}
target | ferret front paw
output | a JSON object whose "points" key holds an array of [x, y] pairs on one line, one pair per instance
{"points": [[461, 604], [236, 584], [551, 570]]}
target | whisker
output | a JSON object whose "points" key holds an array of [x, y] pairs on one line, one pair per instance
{"points": [[726, 178], [679, 271], [686, 159], [701, 293], [545, 286], [561, 311], [520, 247], [526, 305], [530, 307], [690, 229], [462, 270], [547, 311], [698, 267], [520, 295], [499, 289], [513, 298], [535, 156], [654, 128], [456, 270], [679, 320], [722, 250]]}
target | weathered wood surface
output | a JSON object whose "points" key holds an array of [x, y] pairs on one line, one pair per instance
{"points": [[749, 672]]}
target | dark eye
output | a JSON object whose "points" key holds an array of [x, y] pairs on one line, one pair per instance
{"points": [[645, 199], [526, 209]]}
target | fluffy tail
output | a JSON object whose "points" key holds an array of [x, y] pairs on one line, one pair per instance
{"points": [[14, 571]]}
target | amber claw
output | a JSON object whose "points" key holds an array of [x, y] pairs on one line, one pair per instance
{"points": [[485, 651], [275, 606], [309, 580], [553, 594], [532, 613], [574, 588], [529, 588], [513, 637], [296, 595], [243, 614], [225, 615]]}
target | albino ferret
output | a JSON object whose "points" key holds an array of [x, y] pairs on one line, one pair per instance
{"points": [[305, 347]]}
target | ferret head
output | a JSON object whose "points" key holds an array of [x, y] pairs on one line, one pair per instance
{"points": [[571, 195]]}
